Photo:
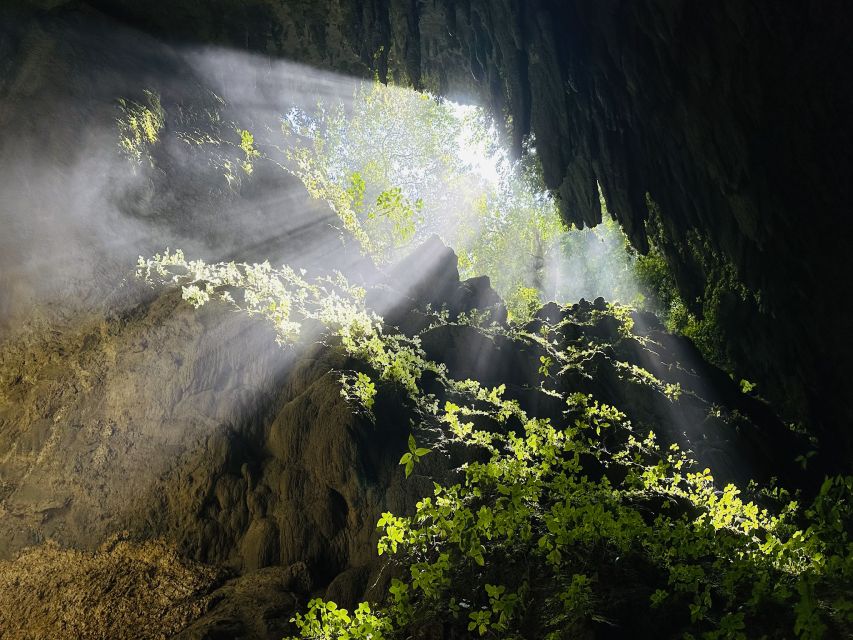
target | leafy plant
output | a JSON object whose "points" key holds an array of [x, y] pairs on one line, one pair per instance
{"points": [[698, 318], [139, 126], [359, 388], [412, 456], [250, 153], [746, 386], [545, 366], [541, 532], [327, 621]]}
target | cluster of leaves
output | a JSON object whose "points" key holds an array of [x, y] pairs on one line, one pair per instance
{"points": [[358, 387], [328, 306], [232, 149], [328, 621], [373, 163], [549, 526], [536, 541], [398, 166], [523, 303], [412, 456], [139, 126]]}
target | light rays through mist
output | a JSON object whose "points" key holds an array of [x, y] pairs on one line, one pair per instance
{"points": [[75, 214], [334, 155], [87, 353], [398, 166], [404, 165]]}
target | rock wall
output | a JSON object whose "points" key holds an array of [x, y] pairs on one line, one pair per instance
{"points": [[733, 117]]}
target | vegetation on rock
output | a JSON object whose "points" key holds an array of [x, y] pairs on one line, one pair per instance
{"points": [[557, 523], [552, 530], [397, 166], [139, 126], [535, 471]]}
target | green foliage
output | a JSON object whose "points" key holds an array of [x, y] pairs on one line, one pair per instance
{"points": [[359, 388], [545, 522], [250, 153], [397, 166], [545, 527], [289, 302], [226, 145], [392, 205], [400, 166], [327, 621], [412, 456], [139, 126], [533, 512], [523, 303], [513, 235], [378, 163], [746, 386], [697, 319], [662, 297]]}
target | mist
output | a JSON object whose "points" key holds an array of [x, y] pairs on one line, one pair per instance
{"points": [[75, 213]]}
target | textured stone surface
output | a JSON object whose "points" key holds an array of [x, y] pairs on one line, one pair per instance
{"points": [[733, 116], [122, 410], [123, 590], [189, 432]]}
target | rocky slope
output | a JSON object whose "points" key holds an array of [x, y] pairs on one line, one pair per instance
{"points": [[239, 479]]}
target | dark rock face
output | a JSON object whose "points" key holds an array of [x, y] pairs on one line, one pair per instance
{"points": [[734, 117], [428, 278]]}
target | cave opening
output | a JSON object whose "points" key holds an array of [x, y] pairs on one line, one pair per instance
{"points": [[379, 320]]}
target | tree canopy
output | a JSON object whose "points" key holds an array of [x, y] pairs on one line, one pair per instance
{"points": [[398, 166]]}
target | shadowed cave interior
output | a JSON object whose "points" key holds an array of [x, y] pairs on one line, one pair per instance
{"points": [[204, 449]]}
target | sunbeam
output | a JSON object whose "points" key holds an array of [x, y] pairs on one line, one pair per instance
{"points": [[303, 353]]}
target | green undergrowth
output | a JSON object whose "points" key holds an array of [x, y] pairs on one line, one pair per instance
{"points": [[551, 531]]}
